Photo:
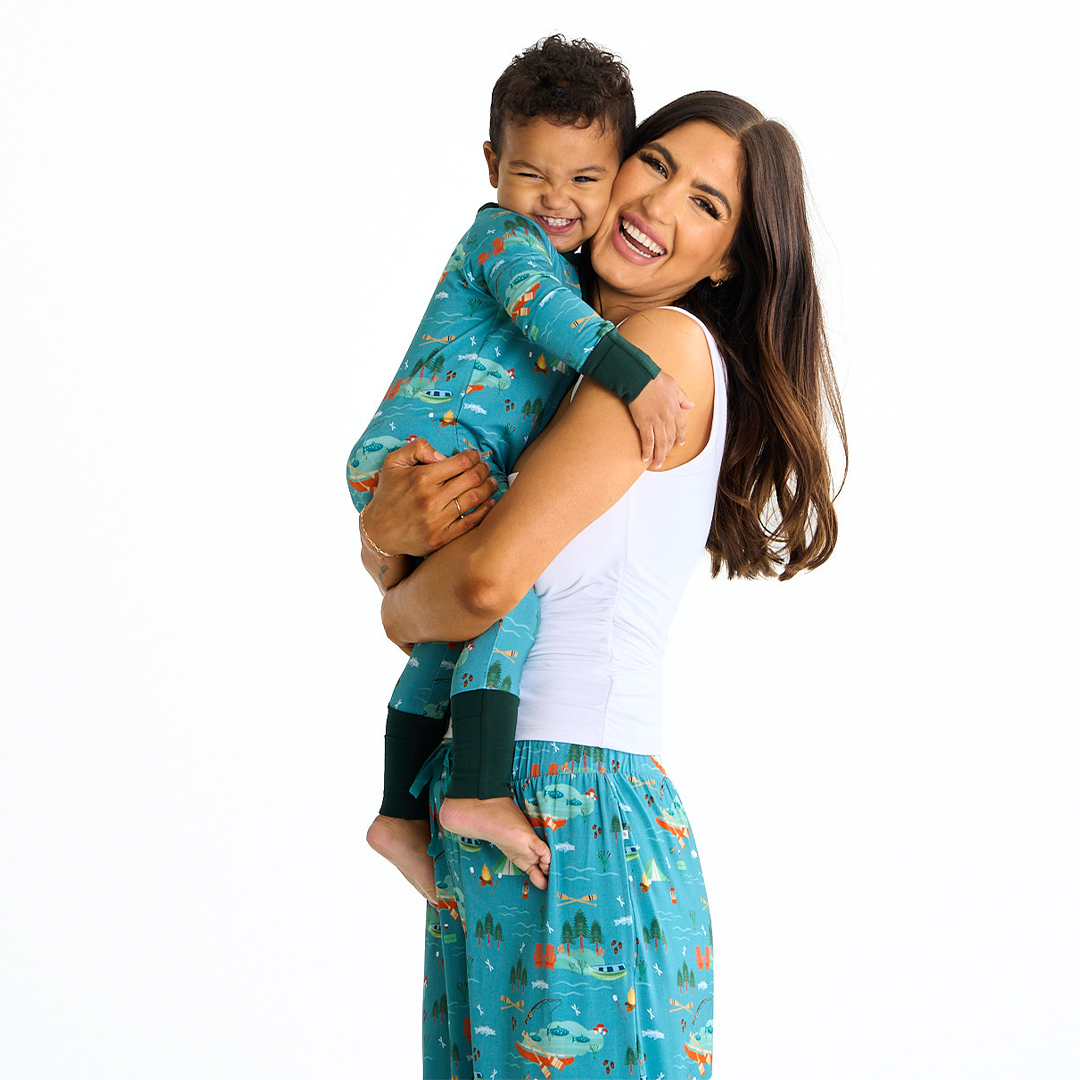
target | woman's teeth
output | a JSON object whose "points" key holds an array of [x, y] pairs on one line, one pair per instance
{"points": [[652, 248]]}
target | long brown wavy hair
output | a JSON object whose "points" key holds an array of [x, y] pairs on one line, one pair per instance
{"points": [[774, 503]]}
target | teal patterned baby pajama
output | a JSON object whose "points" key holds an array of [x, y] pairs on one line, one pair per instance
{"points": [[502, 338]]}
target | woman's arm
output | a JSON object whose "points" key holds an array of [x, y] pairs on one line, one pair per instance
{"points": [[583, 465]]}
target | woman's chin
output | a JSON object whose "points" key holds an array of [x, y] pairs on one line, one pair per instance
{"points": [[617, 263]]}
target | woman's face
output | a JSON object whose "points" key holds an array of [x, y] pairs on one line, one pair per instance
{"points": [[673, 212]]}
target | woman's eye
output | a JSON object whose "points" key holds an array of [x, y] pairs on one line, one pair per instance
{"points": [[654, 163], [707, 207]]}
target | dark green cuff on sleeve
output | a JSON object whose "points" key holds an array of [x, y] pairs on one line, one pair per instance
{"points": [[619, 366]]}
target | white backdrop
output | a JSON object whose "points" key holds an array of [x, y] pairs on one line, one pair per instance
{"points": [[219, 224]]}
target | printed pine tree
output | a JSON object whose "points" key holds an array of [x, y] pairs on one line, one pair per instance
{"points": [[655, 932], [495, 678], [533, 408], [567, 934], [581, 928], [596, 935], [422, 364]]}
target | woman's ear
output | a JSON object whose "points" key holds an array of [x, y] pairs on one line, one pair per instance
{"points": [[727, 269], [492, 163]]}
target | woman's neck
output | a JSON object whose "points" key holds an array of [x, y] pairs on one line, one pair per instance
{"points": [[615, 306]]}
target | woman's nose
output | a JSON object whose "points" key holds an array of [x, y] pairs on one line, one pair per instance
{"points": [[660, 201]]}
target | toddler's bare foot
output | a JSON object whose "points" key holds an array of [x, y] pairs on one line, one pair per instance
{"points": [[405, 844], [500, 822]]}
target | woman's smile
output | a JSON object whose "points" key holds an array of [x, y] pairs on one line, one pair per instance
{"points": [[636, 235]]}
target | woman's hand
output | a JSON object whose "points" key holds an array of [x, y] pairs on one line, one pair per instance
{"points": [[423, 497], [422, 501]]}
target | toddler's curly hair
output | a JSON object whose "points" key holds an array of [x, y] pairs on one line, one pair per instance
{"points": [[565, 82]]}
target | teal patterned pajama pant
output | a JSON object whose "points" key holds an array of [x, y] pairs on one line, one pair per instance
{"points": [[607, 972]]}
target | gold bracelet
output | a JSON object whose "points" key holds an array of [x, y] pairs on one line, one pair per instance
{"points": [[371, 543]]}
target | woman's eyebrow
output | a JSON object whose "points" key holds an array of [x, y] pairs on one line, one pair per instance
{"points": [[673, 165], [715, 193]]}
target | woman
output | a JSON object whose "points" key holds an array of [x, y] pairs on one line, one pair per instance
{"points": [[610, 968]]}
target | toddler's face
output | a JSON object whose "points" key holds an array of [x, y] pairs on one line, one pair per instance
{"points": [[558, 175]]}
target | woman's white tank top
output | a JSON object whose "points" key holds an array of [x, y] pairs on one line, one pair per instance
{"points": [[593, 676]]}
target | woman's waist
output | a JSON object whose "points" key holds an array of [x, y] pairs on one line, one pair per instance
{"points": [[620, 709], [590, 676]]}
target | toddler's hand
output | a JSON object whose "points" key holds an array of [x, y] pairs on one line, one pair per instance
{"points": [[658, 413]]}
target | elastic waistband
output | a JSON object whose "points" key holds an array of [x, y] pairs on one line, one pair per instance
{"points": [[540, 757]]}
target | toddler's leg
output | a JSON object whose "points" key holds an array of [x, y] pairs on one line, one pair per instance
{"points": [[416, 722], [484, 722], [484, 702], [409, 741], [416, 718]]}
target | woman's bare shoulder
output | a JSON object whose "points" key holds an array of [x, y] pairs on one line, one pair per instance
{"points": [[677, 343], [670, 336]]}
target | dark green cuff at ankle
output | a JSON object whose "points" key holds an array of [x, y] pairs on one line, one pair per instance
{"points": [[484, 727], [410, 740]]}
